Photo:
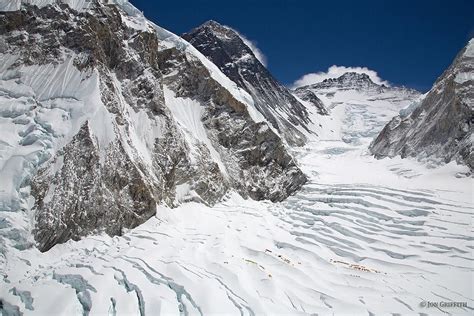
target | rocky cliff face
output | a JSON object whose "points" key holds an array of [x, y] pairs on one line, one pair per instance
{"points": [[228, 51], [440, 127], [311, 97], [104, 115]]}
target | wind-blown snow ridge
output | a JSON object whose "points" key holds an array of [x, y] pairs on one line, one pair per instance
{"points": [[253, 47]]}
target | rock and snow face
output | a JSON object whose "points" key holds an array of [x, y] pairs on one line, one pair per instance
{"points": [[440, 127], [78, 5], [226, 49], [359, 82], [358, 94], [104, 115]]}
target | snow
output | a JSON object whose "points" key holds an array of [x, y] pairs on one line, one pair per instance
{"points": [[144, 132], [364, 236], [188, 113], [142, 129], [412, 107], [463, 77], [370, 109], [10, 5], [42, 108], [470, 49], [253, 47]]}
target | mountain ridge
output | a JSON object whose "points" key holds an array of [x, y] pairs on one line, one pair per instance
{"points": [[439, 127]]}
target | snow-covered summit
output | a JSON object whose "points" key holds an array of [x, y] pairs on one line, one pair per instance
{"points": [[348, 80], [353, 79], [222, 31], [228, 34]]}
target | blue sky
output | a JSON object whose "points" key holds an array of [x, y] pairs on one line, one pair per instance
{"points": [[405, 42]]}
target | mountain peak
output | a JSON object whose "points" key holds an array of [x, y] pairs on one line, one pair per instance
{"points": [[355, 76], [221, 31], [238, 59], [348, 80], [351, 78], [210, 23], [218, 36]]}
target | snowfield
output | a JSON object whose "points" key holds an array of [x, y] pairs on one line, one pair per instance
{"points": [[363, 237]]}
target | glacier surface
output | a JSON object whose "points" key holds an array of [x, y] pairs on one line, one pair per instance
{"points": [[364, 236]]}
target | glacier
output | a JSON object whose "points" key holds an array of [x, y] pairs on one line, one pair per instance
{"points": [[351, 242]]}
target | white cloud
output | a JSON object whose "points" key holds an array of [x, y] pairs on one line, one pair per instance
{"points": [[335, 72], [253, 46]]}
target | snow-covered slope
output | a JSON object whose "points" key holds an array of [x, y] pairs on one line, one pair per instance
{"points": [[440, 127], [229, 51], [105, 115]]}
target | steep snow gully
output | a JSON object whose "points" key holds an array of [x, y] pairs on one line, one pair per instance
{"points": [[362, 237]]}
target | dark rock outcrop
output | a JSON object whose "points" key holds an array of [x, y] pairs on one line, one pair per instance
{"points": [[312, 98], [441, 126]]}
